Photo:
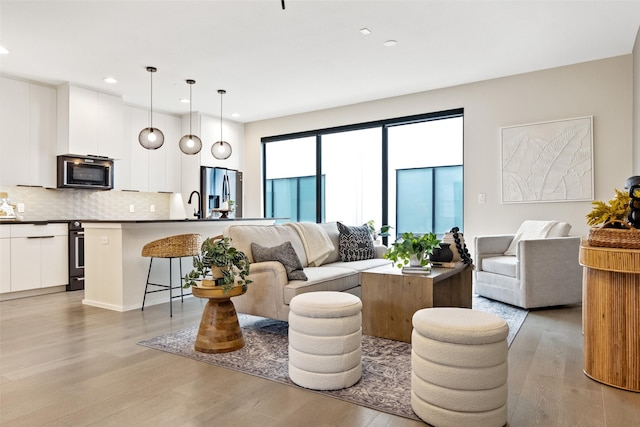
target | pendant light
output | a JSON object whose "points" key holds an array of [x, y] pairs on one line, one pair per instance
{"points": [[221, 150], [151, 138], [190, 144]]}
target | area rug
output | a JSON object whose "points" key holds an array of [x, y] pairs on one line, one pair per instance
{"points": [[386, 364]]}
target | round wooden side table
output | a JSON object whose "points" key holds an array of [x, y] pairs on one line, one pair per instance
{"points": [[611, 306], [219, 330]]}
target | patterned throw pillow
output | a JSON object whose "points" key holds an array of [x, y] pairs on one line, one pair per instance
{"points": [[355, 243], [285, 254]]}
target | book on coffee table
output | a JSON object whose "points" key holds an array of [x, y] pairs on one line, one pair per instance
{"points": [[415, 270]]}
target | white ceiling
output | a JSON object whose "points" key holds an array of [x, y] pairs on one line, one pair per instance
{"points": [[310, 56]]}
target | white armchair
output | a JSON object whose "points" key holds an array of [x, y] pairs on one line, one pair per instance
{"points": [[543, 272]]}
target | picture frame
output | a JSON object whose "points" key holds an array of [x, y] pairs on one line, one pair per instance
{"points": [[548, 161]]}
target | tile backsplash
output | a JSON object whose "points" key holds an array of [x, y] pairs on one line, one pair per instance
{"points": [[62, 204]]}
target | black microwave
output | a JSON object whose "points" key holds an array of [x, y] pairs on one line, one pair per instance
{"points": [[91, 172]]}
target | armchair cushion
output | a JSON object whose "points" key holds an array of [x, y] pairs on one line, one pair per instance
{"points": [[537, 230], [504, 265]]}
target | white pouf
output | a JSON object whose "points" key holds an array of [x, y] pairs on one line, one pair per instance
{"points": [[459, 367], [325, 340]]}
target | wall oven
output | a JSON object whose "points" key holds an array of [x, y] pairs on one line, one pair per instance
{"points": [[76, 256], [92, 172]]}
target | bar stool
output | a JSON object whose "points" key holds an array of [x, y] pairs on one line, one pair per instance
{"points": [[182, 245]]}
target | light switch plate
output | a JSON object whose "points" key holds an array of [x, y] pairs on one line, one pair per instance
{"points": [[482, 198], [20, 207], [132, 208]]}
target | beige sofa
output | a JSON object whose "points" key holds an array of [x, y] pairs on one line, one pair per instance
{"points": [[270, 293]]}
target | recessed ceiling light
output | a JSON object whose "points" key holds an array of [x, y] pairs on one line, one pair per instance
{"points": [[184, 100], [110, 80], [3, 50], [390, 43], [235, 115], [365, 31]]}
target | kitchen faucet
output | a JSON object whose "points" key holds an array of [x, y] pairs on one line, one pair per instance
{"points": [[196, 212]]}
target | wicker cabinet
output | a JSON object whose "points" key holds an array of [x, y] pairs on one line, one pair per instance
{"points": [[611, 308]]}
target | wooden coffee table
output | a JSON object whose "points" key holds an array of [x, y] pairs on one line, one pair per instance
{"points": [[390, 298]]}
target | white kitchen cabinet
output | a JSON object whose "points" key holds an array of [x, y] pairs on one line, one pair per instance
{"points": [[89, 122], [27, 131], [5, 259], [154, 170], [39, 256]]}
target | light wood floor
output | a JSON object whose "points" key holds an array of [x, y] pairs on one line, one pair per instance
{"points": [[66, 364]]}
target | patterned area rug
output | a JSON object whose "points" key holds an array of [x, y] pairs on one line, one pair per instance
{"points": [[386, 364]]}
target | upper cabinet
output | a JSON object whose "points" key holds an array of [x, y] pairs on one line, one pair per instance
{"points": [[27, 131], [150, 170], [89, 122]]}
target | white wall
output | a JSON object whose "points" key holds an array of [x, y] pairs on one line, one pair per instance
{"points": [[636, 105], [602, 89]]}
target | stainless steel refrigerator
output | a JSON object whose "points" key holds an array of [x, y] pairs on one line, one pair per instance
{"points": [[218, 185]]}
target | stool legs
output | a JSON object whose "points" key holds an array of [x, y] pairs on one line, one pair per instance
{"points": [[164, 287]]}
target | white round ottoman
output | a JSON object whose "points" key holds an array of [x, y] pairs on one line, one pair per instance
{"points": [[459, 367], [325, 340]]}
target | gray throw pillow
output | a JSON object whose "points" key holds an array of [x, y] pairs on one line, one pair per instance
{"points": [[285, 254], [355, 243]]}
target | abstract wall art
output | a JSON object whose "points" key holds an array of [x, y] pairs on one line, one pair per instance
{"points": [[548, 162]]}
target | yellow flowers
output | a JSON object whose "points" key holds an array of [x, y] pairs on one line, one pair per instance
{"points": [[615, 211]]}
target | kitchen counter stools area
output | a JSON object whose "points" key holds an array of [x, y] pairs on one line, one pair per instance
{"points": [[170, 248]]}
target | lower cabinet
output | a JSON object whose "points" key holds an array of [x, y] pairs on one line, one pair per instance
{"points": [[5, 258], [39, 257]]}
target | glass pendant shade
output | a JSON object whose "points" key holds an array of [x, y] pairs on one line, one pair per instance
{"points": [[151, 138], [190, 144], [221, 150]]}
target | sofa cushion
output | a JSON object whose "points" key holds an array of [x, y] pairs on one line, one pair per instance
{"points": [[537, 230], [363, 265], [265, 235], [355, 243], [325, 278], [505, 265], [285, 254]]}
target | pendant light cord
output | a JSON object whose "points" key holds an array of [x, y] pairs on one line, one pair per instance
{"points": [[221, 94], [151, 109], [190, 102]]}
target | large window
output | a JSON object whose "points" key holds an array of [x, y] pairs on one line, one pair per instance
{"points": [[405, 172]]}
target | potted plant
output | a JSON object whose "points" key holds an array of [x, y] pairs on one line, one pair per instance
{"points": [[612, 214], [219, 264], [383, 231], [411, 249]]}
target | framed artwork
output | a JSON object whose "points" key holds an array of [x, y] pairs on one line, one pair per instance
{"points": [[548, 162]]}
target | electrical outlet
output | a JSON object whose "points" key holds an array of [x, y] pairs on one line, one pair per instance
{"points": [[20, 207], [132, 208], [482, 198], [104, 240], [152, 208]]}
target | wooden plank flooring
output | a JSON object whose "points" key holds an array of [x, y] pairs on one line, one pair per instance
{"points": [[66, 364]]}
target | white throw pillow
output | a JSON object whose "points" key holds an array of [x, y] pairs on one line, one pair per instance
{"points": [[538, 230]]}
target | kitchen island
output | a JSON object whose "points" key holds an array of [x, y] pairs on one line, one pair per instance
{"points": [[115, 270]]}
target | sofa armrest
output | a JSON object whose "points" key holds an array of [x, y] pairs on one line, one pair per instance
{"points": [[265, 295], [379, 250], [490, 246]]}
